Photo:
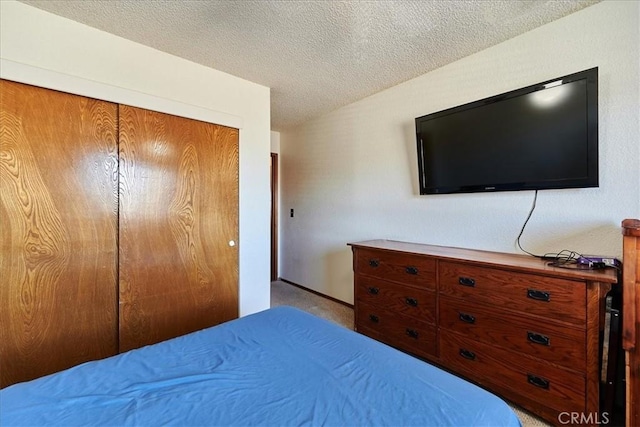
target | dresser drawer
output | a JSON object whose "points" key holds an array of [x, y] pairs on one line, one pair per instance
{"points": [[553, 298], [418, 303], [408, 269], [553, 387], [399, 331], [560, 344]]}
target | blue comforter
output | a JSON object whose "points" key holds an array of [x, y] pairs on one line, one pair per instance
{"points": [[280, 367]]}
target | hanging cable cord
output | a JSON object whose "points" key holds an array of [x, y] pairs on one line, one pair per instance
{"points": [[560, 257], [565, 258], [533, 207]]}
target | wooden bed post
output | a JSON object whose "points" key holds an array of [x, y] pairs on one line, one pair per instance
{"points": [[631, 317]]}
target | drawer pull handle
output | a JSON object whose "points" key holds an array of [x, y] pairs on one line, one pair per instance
{"points": [[373, 291], [412, 333], [538, 381], [374, 318], [538, 338], [467, 318], [374, 263], [538, 295], [466, 281], [469, 355], [411, 270], [411, 301]]}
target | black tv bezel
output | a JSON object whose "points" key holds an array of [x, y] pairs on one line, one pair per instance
{"points": [[592, 179]]}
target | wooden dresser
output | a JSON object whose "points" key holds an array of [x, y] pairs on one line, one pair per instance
{"points": [[527, 331]]}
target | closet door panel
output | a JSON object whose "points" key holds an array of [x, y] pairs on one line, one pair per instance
{"points": [[58, 230], [178, 213]]}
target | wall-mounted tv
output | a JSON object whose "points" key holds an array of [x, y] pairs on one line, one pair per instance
{"points": [[543, 136]]}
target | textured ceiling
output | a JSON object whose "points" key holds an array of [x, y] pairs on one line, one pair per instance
{"points": [[316, 55]]}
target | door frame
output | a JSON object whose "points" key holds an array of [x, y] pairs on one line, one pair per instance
{"points": [[274, 216]]}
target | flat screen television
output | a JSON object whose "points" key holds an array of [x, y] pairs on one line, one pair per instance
{"points": [[543, 136]]}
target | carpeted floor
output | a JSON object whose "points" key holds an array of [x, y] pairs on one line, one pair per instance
{"points": [[283, 293]]}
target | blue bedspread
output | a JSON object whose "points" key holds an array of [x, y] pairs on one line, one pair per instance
{"points": [[280, 367]]}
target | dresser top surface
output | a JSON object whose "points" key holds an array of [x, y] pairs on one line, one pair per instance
{"points": [[525, 263]]}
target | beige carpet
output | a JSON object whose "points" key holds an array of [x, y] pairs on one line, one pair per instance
{"points": [[283, 293]]}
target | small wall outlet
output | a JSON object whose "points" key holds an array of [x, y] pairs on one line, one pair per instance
{"points": [[291, 214]]}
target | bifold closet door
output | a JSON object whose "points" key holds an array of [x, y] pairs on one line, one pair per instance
{"points": [[58, 230], [178, 226]]}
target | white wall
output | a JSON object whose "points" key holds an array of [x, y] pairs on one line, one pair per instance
{"points": [[352, 174], [40, 48], [275, 142]]}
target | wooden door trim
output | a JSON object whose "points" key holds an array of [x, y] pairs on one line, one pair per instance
{"points": [[274, 216]]}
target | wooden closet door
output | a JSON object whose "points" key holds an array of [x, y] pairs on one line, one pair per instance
{"points": [[178, 215], [58, 230]]}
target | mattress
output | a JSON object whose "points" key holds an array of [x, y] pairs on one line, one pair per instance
{"points": [[279, 367]]}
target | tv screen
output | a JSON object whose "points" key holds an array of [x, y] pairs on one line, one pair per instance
{"points": [[543, 136]]}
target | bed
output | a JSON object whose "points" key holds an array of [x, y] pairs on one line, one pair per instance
{"points": [[279, 367]]}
